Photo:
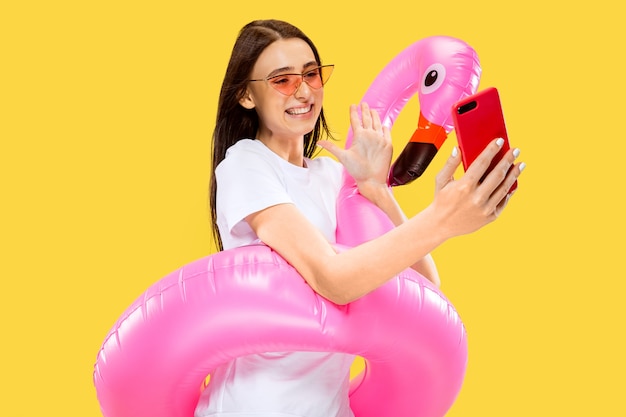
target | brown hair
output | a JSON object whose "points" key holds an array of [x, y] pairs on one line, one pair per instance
{"points": [[234, 122]]}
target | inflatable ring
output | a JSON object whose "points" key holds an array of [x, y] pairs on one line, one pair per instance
{"points": [[235, 302], [156, 357]]}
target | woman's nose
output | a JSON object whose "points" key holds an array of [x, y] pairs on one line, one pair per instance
{"points": [[303, 90]]}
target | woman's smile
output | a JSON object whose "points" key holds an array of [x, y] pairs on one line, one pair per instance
{"points": [[296, 111]]}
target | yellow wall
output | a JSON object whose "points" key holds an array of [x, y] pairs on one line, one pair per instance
{"points": [[105, 119]]}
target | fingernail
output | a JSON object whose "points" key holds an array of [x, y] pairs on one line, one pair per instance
{"points": [[516, 152], [500, 142], [455, 152], [522, 166]]}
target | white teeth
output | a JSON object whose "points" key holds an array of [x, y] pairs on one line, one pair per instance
{"points": [[300, 110]]}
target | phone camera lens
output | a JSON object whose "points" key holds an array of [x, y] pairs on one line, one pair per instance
{"points": [[467, 107]]}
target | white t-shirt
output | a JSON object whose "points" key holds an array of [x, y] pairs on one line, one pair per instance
{"points": [[277, 384]]}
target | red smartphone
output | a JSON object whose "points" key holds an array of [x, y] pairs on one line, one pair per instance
{"points": [[478, 119]]}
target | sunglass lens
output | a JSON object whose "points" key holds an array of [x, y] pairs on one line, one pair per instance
{"points": [[326, 72], [286, 84]]}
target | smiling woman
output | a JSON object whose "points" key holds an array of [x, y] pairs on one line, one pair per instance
{"points": [[268, 187]]}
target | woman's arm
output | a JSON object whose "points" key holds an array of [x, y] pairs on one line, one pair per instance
{"points": [[459, 207]]}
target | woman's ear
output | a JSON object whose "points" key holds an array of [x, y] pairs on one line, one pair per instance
{"points": [[246, 100]]}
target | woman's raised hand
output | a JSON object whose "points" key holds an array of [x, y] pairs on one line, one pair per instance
{"points": [[462, 206], [467, 204], [369, 158]]}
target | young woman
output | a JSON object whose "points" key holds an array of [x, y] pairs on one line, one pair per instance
{"points": [[266, 185]]}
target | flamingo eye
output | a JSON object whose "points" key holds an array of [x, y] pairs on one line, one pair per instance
{"points": [[430, 79], [433, 78]]}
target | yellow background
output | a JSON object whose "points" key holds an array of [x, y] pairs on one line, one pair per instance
{"points": [[106, 114]]}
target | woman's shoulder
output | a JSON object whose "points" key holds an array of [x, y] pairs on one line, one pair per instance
{"points": [[243, 153], [244, 146]]}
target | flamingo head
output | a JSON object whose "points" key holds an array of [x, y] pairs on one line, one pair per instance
{"points": [[448, 70]]}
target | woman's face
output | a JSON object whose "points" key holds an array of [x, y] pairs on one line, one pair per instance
{"points": [[284, 116]]}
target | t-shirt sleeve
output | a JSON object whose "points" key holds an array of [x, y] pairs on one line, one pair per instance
{"points": [[247, 182]]}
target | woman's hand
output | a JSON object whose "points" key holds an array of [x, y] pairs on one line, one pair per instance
{"points": [[466, 204], [369, 158]]}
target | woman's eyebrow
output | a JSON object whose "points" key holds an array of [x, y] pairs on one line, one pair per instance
{"points": [[282, 70]]}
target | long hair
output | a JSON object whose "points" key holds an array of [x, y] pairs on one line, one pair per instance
{"points": [[234, 122]]}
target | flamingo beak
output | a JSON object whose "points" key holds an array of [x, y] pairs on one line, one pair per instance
{"points": [[418, 153]]}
